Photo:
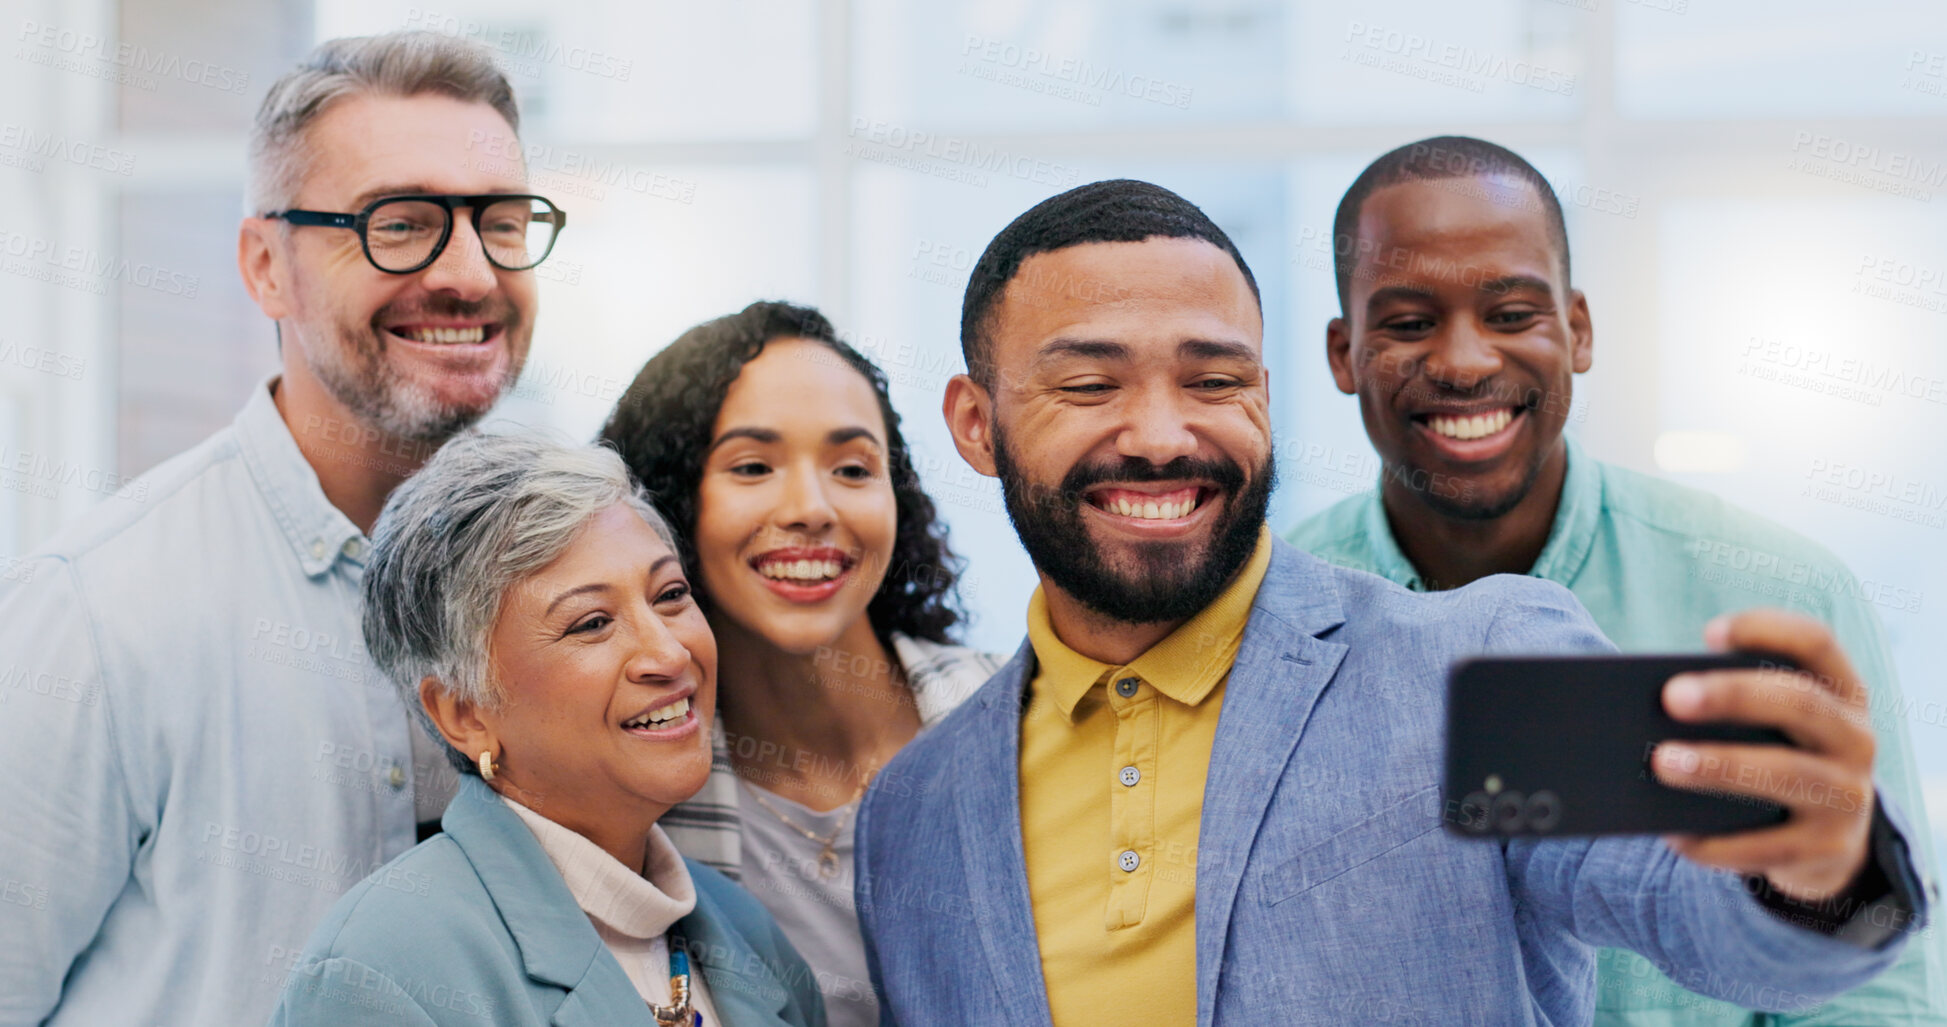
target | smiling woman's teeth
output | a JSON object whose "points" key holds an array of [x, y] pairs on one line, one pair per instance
{"points": [[801, 570], [664, 715], [1477, 426], [477, 333]]}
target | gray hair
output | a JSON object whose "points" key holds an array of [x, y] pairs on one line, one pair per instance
{"points": [[484, 513], [393, 64]]}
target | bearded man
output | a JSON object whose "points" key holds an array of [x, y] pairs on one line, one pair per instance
{"points": [[1206, 788]]}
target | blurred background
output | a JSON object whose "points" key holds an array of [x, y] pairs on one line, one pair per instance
{"points": [[1756, 197]]}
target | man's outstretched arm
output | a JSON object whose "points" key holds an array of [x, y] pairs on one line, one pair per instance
{"points": [[1775, 918]]}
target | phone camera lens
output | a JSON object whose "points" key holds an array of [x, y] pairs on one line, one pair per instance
{"points": [[1544, 811], [1509, 812]]}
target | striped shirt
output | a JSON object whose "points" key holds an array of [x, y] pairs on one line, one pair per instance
{"points": [[706, 828]]}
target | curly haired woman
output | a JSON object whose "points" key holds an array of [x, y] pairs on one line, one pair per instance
{"points": [[773, 447]]}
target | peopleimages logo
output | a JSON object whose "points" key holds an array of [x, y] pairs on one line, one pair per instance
{"points": [[1840, 150], [951, 157], [20, 469], [1839, 159], [1790, 580], [1086, 80], [54, 40], [528, 50], [1448, 63], [86, 269], [1871, 378], [571, 169], [59, 146], [44, 360]]}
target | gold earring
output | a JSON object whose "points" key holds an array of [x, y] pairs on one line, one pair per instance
{"points": [[487, 765]]}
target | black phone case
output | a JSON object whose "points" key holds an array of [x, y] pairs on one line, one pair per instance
{"points": [[1560, 745]]}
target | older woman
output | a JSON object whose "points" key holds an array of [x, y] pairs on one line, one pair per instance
{"points": [[774, 448], [532, 607]]}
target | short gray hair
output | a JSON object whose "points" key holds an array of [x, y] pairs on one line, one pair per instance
{"points": [[393, 64], [485, 512]]}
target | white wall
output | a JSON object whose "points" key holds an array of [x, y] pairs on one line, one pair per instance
{"points": [[1715, 147]]}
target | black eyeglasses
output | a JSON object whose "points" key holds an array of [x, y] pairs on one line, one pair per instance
{"points": [[403, 234]]}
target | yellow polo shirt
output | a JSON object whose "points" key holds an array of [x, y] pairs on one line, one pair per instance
{"points": [[1113, 764]]}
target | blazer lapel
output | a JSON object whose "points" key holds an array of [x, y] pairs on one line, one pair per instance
{"points": [[1281, 668], [580, 1010], [988, 802], [557, 943], [732, 971]]}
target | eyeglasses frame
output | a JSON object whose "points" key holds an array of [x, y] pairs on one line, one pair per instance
{"points": [[451, 201]]}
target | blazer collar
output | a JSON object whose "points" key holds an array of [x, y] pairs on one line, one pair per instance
{"points": [[1282, 667], [743, 987], [988, 806], [558, 945]]}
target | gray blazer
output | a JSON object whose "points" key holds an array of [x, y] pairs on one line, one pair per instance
{"points": [[475, 927], [1327, 892]]}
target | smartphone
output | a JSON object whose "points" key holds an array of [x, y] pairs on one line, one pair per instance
{"points": [[1560, 745]]}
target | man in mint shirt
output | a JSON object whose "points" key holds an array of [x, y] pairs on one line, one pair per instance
{"points": [[1461, 336]]}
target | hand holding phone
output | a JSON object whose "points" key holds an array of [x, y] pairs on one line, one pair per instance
{"points": [[1825, 781], [1756, 764]]}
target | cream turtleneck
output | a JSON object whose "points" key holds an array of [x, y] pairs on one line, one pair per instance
{"points": [[632, 912]]}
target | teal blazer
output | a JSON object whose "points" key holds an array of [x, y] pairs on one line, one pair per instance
{"points": [[475, 926]]}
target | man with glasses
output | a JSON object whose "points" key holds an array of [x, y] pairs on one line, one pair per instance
{"points": [[213, 760]]}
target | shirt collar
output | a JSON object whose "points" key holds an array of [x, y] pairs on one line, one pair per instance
{"points": [[1573, 533], [1570, 537], [940, 676], [319, 533], [1387, 560], [1186, 665], [639, 906]]}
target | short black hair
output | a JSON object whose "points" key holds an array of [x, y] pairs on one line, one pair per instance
{"points": [[663, 424], [1434, 159], [1116, 210]]}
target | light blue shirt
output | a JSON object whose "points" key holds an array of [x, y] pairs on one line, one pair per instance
{"points": [[1653, 562], [198, 757]]}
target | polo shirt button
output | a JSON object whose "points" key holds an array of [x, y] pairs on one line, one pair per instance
{"points": [[1126, 687], [1129, 776], [317, 549], [1128, 861], [397, 778]]}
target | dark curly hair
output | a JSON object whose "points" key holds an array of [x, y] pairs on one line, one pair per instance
{"points": [[662, 427]]}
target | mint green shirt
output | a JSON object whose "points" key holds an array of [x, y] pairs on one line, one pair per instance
{"points": [[1653, 562]]}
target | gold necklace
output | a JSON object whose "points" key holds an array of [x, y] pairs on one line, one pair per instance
{"points": [[827, 845]]}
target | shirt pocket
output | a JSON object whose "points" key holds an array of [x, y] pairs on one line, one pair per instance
{"points": [[1397, 825]]}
